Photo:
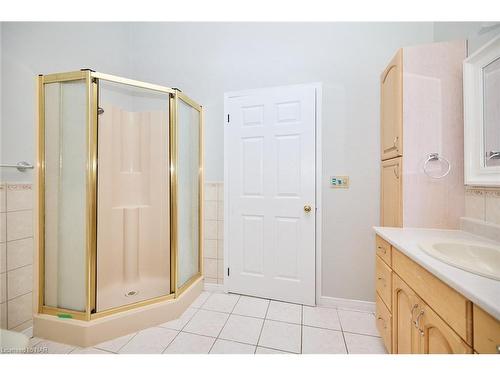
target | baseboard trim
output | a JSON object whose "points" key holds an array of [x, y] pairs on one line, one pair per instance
{"points": [[347, 304], [211, 287]]}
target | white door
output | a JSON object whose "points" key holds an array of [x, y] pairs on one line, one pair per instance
{"points": [[270, 193]]}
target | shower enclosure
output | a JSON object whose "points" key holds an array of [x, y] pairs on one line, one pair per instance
{"points": [[119, 195]]}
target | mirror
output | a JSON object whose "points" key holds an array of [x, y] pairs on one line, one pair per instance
{"points": [[482, 116], [491, 113]]}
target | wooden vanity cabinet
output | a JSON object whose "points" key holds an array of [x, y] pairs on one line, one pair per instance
{"points": [[435, 336], [404, 334], [486, 332], [384, 323], [414, 123], [391, 107], [428, 317], [391, 193]]}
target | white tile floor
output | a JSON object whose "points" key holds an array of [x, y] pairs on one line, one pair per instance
{"points": [[218, 323]]}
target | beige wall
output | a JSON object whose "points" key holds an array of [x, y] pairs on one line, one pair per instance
{"points": [[16, 255], [481, 204]]}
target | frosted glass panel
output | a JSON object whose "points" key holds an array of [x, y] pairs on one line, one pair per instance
{"points": [[65, 194], [188, 128], [133, 236]]}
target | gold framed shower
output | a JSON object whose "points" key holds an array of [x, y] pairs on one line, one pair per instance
{"points": [[109, 206]]}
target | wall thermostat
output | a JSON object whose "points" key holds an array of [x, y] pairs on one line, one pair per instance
{"points": [[339, 182]]}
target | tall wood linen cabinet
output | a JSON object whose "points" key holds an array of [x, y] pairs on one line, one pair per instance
{"points": [[420, 115]]}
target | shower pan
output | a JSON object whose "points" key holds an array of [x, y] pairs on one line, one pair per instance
{"points": [[119, 206]]}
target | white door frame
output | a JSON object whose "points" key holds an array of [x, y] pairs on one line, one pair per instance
{"points": [[318, 179]]}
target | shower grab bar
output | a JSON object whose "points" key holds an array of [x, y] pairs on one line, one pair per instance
{"points": [[21, 166]]}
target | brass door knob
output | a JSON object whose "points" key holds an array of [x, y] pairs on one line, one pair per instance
{"points": [[307, 208]]}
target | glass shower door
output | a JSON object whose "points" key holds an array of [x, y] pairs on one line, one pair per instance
{"points": [[189, 177], [65, 194], [133, 236]]}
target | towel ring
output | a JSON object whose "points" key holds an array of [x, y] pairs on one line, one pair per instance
{"points": [[435, 157]]}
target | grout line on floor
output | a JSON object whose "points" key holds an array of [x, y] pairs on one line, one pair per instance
{"points": [[278, 350], [301, 327], [362, 334], [283, 321], [171, 341], [218, 338], [262, 328], [222, 329], [121, 347], [209, 295], [93, 347], [342, 330], [328, 329], [181, 330]]}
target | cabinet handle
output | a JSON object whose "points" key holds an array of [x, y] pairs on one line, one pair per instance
{"points": [[396, 172], [420, 330], [385, 325], [382, 248], [395, 142], [415, 306]]}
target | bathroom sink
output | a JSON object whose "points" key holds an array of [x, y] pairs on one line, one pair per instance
{"points": [[477, 258]]}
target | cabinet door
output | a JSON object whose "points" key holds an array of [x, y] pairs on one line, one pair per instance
{"points": [[391, 205], [435, 336], [486, 332], [404, 304], [391, 108]]}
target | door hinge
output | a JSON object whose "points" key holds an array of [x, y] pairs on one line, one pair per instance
{"points": [[228, 118], [227, 271]]}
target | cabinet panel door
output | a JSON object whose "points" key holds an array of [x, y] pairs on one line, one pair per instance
{"points": [[486, 332], [391, 211], [391, 108], [404, 303], [435, 336]]}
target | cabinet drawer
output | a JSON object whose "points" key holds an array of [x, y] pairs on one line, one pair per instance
{"points": [[486, 332], [383, 249], [384, 323], [383, 281], [450, 305]]}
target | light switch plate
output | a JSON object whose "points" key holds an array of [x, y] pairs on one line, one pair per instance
{"points": [[339, 182]]}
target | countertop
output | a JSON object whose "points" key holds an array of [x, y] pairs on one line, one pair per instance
{"points": [[482, 291]]}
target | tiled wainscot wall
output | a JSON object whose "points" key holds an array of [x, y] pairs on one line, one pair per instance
{"points": [[482, 212], [483, 204], [214, 228], [16, 255]]}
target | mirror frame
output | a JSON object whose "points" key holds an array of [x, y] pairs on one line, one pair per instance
{"points": [[476, 173]]}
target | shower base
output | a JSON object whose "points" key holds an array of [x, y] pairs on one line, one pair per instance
{"points": [[90, 333], [117, 295]]}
